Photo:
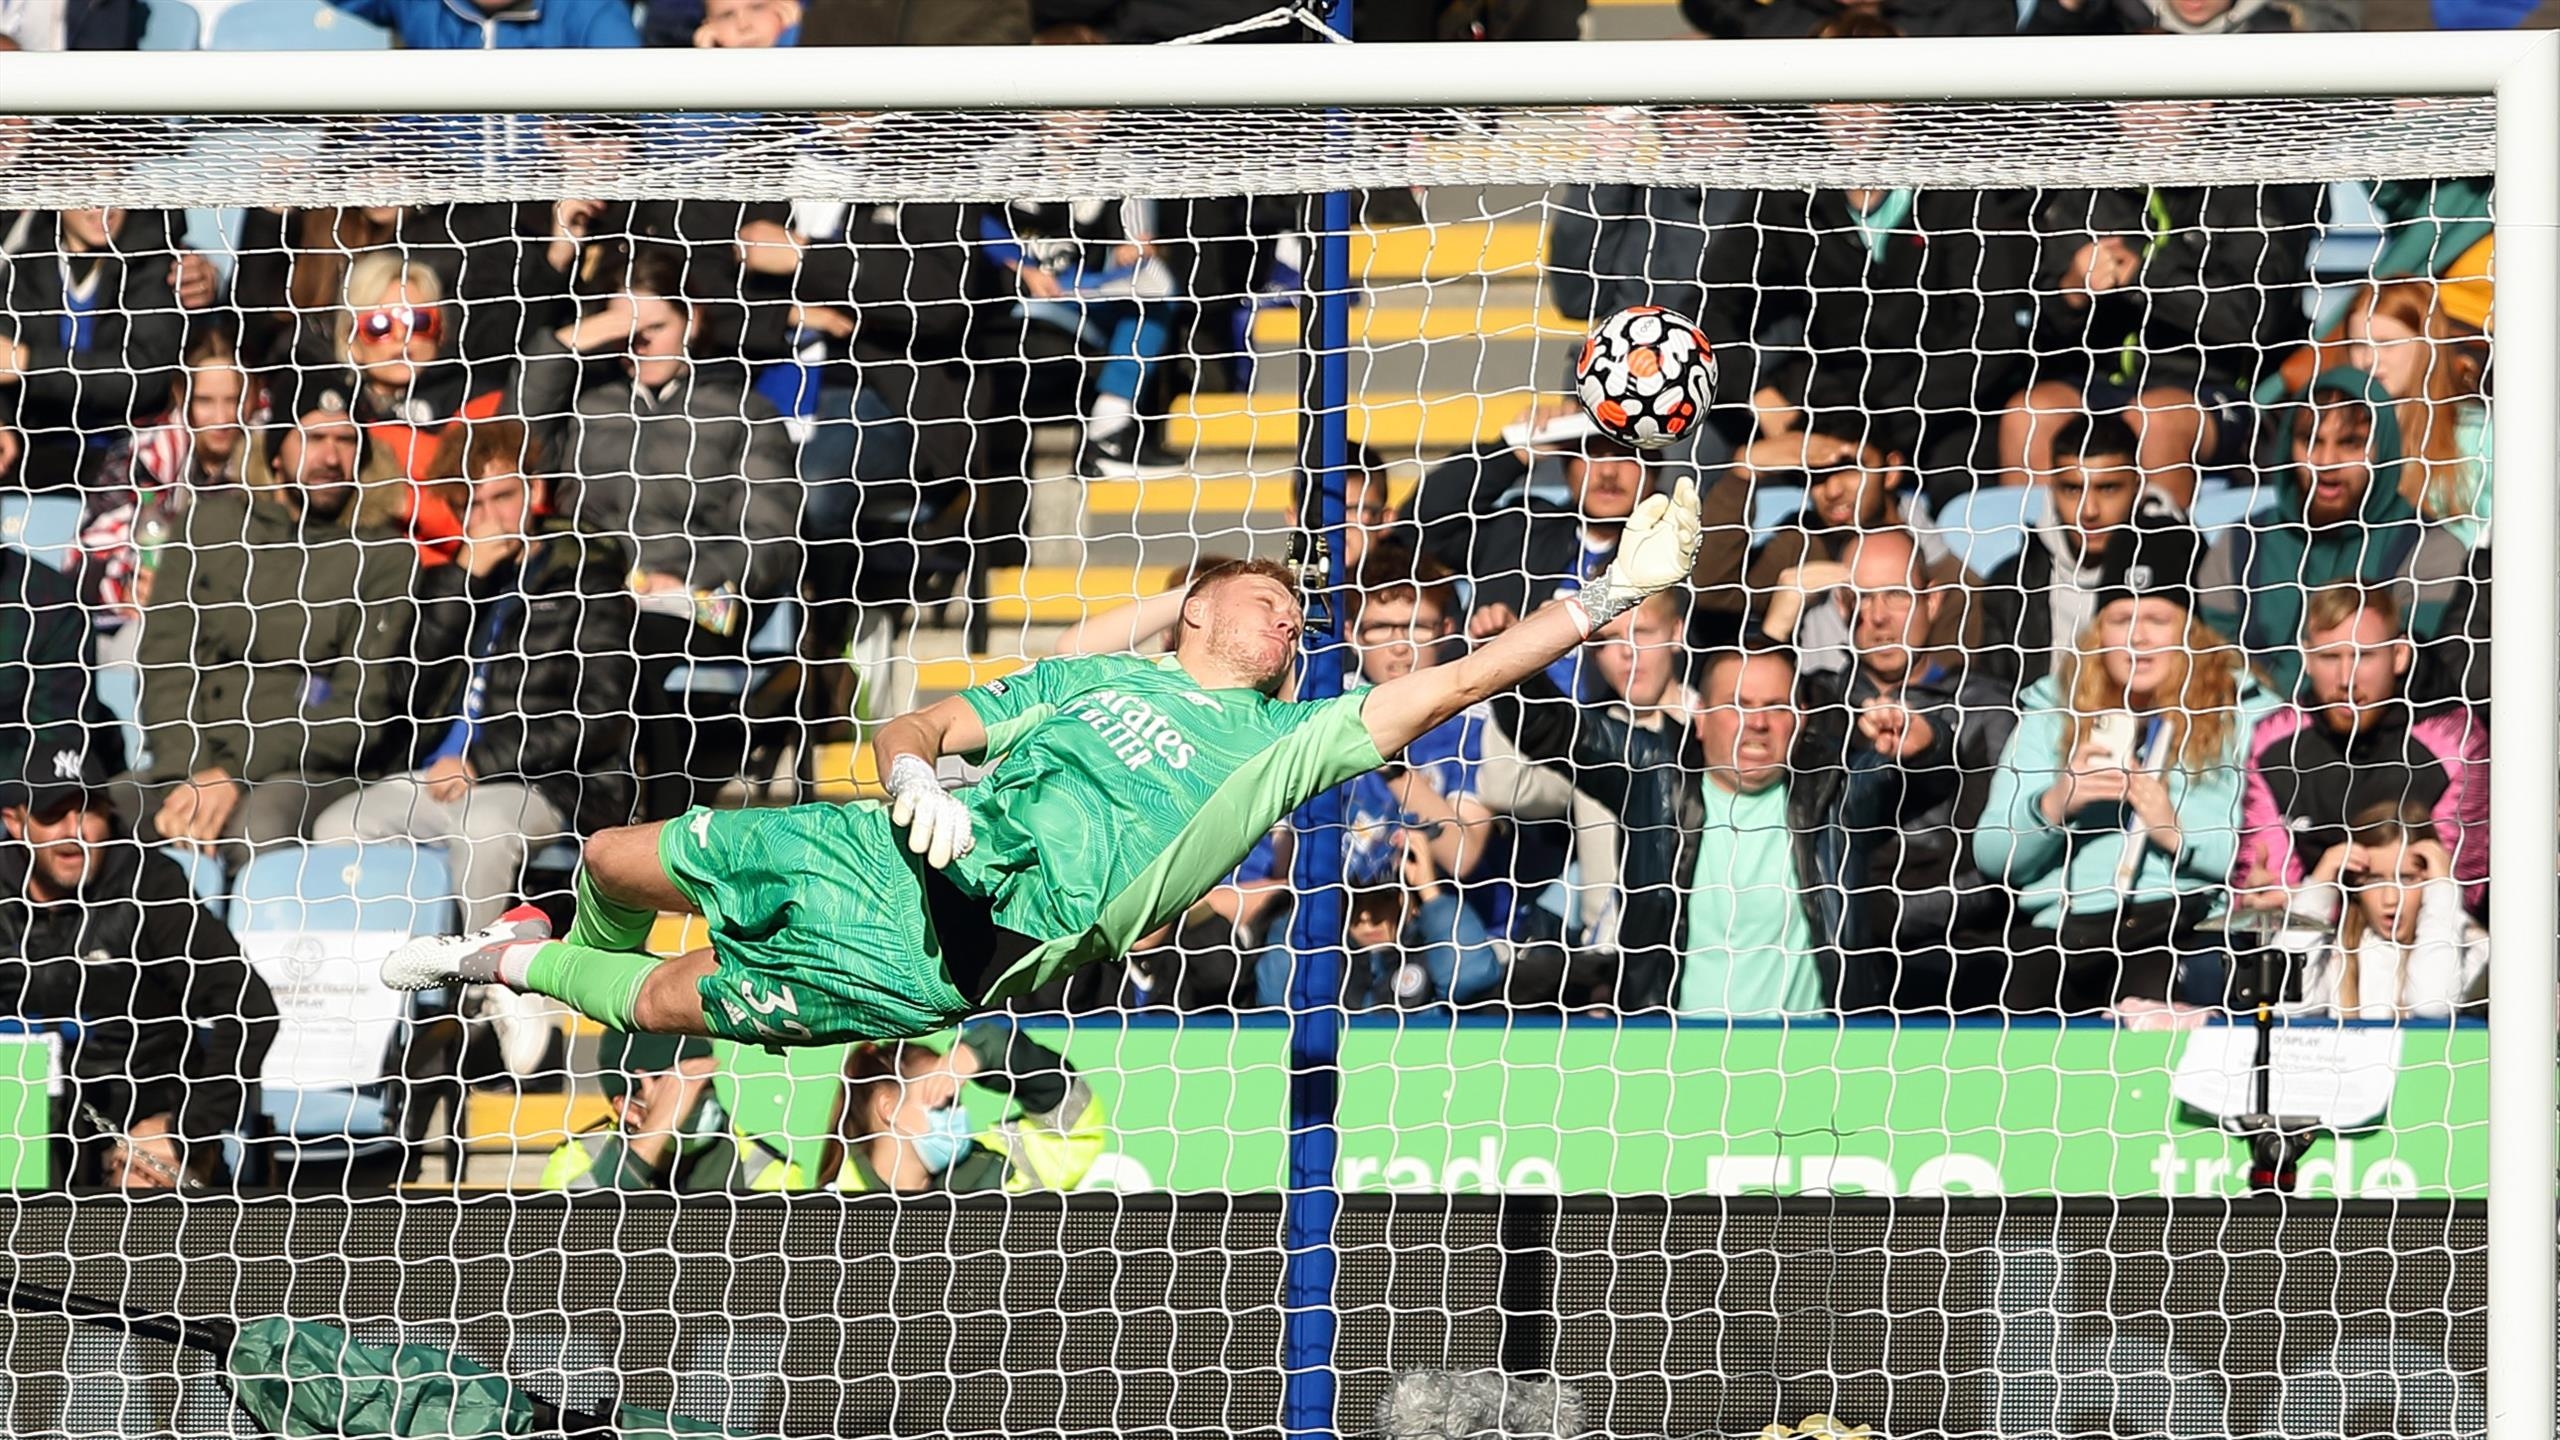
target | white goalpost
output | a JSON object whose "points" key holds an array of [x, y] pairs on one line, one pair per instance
{"points": [[1485, 1246]]}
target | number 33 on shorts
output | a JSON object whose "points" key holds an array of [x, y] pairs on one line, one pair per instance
{"points": [[756, 1008]]}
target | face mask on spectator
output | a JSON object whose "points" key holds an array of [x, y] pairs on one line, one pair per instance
{"points": [[945, 1140]]}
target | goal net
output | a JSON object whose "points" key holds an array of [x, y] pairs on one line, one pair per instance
{"points": [[2003, 950]]}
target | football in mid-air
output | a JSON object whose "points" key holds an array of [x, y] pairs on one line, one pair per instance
{"points": [[1646, 376]]}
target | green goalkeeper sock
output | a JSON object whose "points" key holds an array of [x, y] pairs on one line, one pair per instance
{"points": [[601, 984], [604, 923]]}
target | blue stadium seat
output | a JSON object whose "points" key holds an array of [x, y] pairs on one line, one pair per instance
{"points": [[2221, 505], [1987, 526], [1771, 506], [293, 25], [379, 888], [205, 874], [170, 25], [45, 526]]}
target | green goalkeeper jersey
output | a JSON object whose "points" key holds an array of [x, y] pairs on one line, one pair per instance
{"points": [[1120, 791]]}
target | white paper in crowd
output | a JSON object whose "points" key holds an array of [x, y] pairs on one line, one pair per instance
{"points": [[337, 1016], [2340, 1076]]}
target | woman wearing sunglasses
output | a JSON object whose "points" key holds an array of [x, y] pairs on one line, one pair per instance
{"points": [[391, 334]]}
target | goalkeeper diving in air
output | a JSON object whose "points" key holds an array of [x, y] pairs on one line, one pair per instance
{"points": [[1119, 790]]}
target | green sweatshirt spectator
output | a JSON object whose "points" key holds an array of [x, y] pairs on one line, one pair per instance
{"points": [[2339, 519]]}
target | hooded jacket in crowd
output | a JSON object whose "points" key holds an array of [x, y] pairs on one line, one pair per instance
{"points": [[2259, 576]]}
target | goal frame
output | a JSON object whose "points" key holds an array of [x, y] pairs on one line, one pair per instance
{"points": [[2521, 71]]}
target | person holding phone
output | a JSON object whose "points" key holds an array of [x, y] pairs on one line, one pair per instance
{"points": [[2115, 814]]}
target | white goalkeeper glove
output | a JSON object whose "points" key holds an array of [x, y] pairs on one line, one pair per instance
{"points": [[937, 824], [1656, 551]]}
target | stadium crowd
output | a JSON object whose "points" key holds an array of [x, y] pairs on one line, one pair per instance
{"points": [[441, 523]]}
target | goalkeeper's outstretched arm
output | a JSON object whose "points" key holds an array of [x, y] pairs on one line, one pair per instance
{"points": [[1655, 552]]}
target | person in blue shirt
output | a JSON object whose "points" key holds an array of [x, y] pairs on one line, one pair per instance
{"points": [[502, 24]]}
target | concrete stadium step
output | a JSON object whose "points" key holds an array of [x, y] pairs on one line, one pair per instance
{"points": [[1636, 20], [1397, 323], [504, 1120], [1264, 426], [1065, 594], [1450, 250]]}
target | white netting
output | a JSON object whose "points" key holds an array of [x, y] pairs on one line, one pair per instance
{"points": [[838, 416]]}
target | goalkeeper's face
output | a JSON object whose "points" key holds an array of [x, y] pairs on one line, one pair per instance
{"points": [[1245, 630]]}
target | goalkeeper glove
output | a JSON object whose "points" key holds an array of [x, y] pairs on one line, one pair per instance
{"points": [[937, 824], [1656, 551]]}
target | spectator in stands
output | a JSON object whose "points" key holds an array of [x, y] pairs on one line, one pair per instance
{"points": [[2353, 740], [1894, 753], [2406, 949], [1517, 547], [1851, 488], [2166, 306], [748, 24], [1370, 523], [1795, 19], [2340, 518], [2115, 813], [899, 1126], [1090, 268], [2190, 17], [1636, 754], [165, 1027], [523, 699], [1418, 833], [2099, 511], [272, 648], [490, 262], [90, 334], [678, 456], [1753, 922], [1880, 308], [45, 656], [144, 486], [1611, 246], [500, 24], [46, 25], [2435, 364], [872, 356], [390, 337]]}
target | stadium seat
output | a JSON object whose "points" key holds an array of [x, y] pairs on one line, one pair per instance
{"points": [[169, 25], [313, 909], [205, 874], [1771, 506], [45, 526], [2221, 505], [293, 25], [1987, 526]]}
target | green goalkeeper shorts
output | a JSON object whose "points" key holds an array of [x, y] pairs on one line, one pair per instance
{"points": [[817, 917]]}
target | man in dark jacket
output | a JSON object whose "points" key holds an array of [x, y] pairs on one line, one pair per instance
{"points": [[1886, 305], [680, 458], [272, 650], [1636, 755], [2099, 509], [44, 659], [523, 700], [2167, 304], [90, 333], [1918, 735], [166, 1027]]}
